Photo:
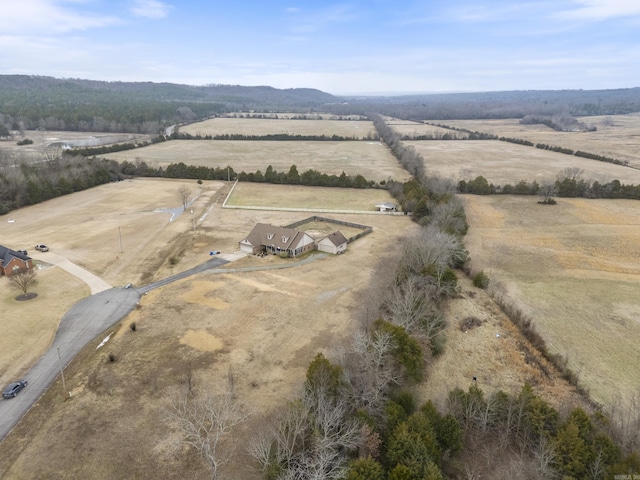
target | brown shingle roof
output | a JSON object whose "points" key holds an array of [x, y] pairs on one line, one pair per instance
{"points": [[270, 235], [337, 238]]}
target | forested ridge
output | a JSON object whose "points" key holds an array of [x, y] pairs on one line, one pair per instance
{"points": [[31, 102]]}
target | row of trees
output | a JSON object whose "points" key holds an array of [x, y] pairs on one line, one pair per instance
{"points": [[28, 184], [562, 187], [59, 174], [270, 137], [560, 123]]}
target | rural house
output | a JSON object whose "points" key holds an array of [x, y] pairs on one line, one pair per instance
{"points": [[12, 262], [271, 239], [387, 207], [333, 243]]}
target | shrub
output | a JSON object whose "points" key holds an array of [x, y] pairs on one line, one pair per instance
{"points": [[480, 280], [112, 357], [132, 326]]}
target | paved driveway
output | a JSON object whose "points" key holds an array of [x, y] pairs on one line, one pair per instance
{"points": [[83, 322]]}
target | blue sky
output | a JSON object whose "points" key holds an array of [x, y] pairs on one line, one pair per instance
{"points": [[342, 47]]}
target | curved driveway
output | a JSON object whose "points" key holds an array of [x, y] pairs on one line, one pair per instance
{"points": [[80, 325], [89, 318]]}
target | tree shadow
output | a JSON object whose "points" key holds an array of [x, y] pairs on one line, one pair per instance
{"points": [[26, 296]]}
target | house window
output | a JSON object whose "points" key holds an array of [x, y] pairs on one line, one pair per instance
{"points": [[269, 236], [285, 239]]}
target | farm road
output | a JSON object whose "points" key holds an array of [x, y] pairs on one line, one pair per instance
{"points": [[89, 318]]}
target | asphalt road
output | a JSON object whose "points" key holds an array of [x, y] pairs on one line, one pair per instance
{"points": [[83, 322]]}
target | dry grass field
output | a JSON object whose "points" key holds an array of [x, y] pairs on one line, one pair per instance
{"points": [[258, 328], [372, 160], [574, 269], [12, 153], [264, 327], [297, 196], [254, 126], [617, 136], [405, 127], [503, 162]]}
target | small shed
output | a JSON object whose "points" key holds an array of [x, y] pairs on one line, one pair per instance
{"points": [[333, 243], [387, 207]]}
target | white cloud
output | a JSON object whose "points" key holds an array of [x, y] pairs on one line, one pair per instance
{"points": [[149, 9], [26, 17], [601, 9]]}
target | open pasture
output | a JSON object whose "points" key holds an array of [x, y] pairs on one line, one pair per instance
{"points": [[11, 153], [372, 160], [408, 128], [259, 328], [257, 126], [503, 162], [297, 196], [573, 268], [617, 136]]}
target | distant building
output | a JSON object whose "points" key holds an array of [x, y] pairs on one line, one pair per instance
{"points": [[12, 262], [265, 238], [334, 243], [387, 207]]}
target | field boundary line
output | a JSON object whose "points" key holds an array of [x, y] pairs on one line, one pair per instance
{"points": [[313, 210]]}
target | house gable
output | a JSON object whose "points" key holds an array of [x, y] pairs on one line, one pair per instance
{"points": [[266, 237], [12, 262]]}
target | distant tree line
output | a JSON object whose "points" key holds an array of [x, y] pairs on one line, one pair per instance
{"points": [[269, 137], [496, 105], [28, 184], [565, 187], [560, 123], [25, 184], [520, 141], [35, 102]]}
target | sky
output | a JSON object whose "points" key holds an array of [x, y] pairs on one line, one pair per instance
{"points": [[357, 47]]}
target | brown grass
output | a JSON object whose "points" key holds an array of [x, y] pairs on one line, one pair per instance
{"points": [[250, 126], [503, 162], [576, 277], [618, 140], [369, 159], [28, 327], [296, 196], [264, 327]]}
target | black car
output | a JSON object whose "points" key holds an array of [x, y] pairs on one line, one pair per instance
{"points": [[13, 389]]}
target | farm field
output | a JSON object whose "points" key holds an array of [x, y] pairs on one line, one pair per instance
{"points": [[372, 160], [10, 152], [617, 136], [358, 129], [261, 327], [405, 127], [574, 269], [89, 228], [297, 196], [258, 328], [503, 162]]}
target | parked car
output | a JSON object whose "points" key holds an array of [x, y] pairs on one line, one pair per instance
{"points": [[42, 248], [24, 252], [13, 389]]}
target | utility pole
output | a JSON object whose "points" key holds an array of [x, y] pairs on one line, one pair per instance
{"points": [[193, 217], [120, 239], [64, 385]]}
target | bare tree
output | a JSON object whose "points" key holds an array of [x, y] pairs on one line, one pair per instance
{"points": [[23, 280], [184, 193], [548, 191], [572, 173], [205, 423]]}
